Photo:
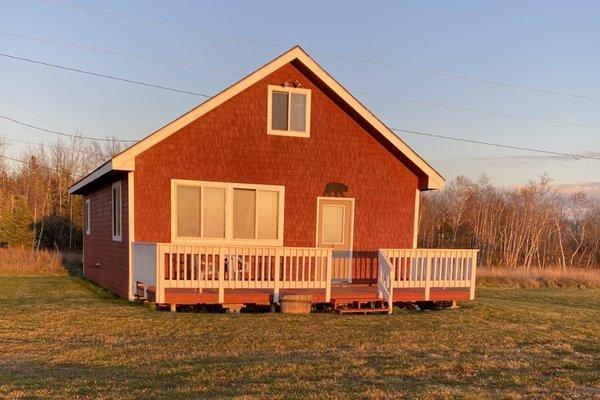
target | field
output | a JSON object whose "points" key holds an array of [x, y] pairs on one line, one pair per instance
{"points": [[61, 337]]}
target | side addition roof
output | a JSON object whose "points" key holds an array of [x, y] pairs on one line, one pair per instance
{"points": [[125, 161]]}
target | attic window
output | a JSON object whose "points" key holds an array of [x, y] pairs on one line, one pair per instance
{"points": [[288, 111]]}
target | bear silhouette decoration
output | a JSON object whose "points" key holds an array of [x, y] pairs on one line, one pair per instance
{"points": [[335, 189]]}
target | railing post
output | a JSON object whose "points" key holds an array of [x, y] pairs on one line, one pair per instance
{"points": [[222, 275], [328, 275], [379, 274], [473, 275], [277, 273], [391, 285], [427, 276]]}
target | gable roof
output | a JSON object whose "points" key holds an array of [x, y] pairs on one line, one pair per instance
{"points": [[125, 161]]}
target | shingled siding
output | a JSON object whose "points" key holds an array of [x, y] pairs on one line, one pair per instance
{"points": [[106, 260], [230, 144]]}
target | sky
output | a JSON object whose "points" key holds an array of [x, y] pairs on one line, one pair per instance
{"points": [[546, 45]]}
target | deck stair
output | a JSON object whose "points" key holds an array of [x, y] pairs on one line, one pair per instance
{"points": [[373, 305]]}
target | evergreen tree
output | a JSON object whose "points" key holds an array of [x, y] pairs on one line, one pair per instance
{"points": [[16, 224]]}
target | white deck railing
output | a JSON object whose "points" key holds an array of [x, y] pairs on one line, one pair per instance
{"points": [[385, 280], [233, 267], [431, 268]]}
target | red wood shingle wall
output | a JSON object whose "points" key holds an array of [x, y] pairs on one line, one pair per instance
{"points": [[230, 144], [99, 247]]}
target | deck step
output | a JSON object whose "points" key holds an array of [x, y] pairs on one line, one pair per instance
{"points": [[341, 300], [363, 310]]}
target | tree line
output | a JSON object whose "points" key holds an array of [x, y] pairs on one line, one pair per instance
{"points": [[535, 225], [36, 210], [530, 225]]}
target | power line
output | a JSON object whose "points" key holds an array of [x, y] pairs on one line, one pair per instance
{"points": [[81, 71], [575, 156], [51, 146], [449, 106], [24, 107], [119, 53], [30, 164], [326, 53], [506, 146], [477, 110], [63, 133]]}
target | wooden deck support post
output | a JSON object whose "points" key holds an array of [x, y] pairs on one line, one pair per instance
{"points": [[222, 276], [428, 276], [328, 276], [277, 275]]}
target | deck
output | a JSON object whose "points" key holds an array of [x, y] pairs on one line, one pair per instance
{"points": [[190, 274], [339, 294]]}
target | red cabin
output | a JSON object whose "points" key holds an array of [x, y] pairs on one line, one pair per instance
{"points": [[283, 183]]}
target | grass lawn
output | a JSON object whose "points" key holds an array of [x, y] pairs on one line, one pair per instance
{"points": [[61, 337]]}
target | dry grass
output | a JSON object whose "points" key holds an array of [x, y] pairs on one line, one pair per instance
{"points": [[63, 338], [539, 278], [24, 262]]}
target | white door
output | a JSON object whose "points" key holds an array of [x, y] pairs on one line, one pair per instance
{"points": [[335, 228]]}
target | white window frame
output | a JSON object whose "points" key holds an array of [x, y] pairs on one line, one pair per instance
{"points": [[289, 90], [228, 239], [117, 231], [88, 219]]}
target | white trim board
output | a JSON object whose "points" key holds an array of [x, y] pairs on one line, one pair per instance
{"points": [[125, 161]]}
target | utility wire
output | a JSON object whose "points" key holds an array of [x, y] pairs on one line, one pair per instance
{"points": [[574, 156], [449, 106], [30, 164], [63, 133], [477, 110], [24, 107], [326, 53], [506, 146], [81, 71], [119, 53], [51, 146]]}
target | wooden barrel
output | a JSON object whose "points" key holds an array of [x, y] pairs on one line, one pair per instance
{"points": [[296, 303]]}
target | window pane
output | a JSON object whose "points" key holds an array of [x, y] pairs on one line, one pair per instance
{"points": [[116, 210], [244, 208], [214, 213], [88, 217], [188, 211], [298, 112], [268, 207], [333, 224], [279, 111]]}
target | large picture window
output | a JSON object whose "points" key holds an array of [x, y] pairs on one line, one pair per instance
{"points": [[288, 111], [217, 212]]}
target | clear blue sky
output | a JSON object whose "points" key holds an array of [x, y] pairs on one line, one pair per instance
{"points": [[550, 45]]}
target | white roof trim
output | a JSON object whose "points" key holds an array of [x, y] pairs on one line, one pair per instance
{"points": [[97, 173], [125, 161]]}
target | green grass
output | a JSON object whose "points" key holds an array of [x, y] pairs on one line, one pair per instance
{"points": [[61, 337]]}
